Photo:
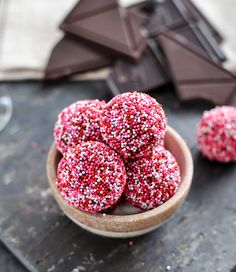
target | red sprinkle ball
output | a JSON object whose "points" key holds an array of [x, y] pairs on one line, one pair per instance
{"points": [[78, 122], [91, 177], [216, 134], [132, 124], [152, 181]]}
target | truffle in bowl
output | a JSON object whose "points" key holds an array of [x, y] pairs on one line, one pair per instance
{"points": [[125, 220]]}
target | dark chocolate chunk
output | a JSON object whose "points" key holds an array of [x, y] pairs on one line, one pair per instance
{"points": [[148, 73], [174, 15], [168, 13], [141, 17], [211, 34], [212, 42], [79, 12], [197, 14], [194, 74], [71, 56], [112, 27], [194, 34]]}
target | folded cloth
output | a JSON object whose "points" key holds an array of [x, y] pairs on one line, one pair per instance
{"points": [[29, 31]]}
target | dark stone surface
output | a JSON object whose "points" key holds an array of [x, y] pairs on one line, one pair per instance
{"points": [[200, 237], [8, 262]]}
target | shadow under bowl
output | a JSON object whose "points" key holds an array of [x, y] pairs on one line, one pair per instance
{"points": [[127, 221]]}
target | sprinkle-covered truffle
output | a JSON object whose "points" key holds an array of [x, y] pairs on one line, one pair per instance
{"points": [[132, 123], [152, 181], [216, 134], [78, 122], [91, 177]]}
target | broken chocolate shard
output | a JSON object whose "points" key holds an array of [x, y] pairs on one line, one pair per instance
{"points": [[194, 74], [135, 21], [174, 15], [182, 55], [198, 15], [212, 42], [145, 75], [113, 28], [168, 13], [158, 54], [206, 28], [140, 17], [72, 56], [194, 35], [219, 93]]}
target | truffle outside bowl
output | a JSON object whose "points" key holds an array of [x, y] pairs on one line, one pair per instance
{"points": [[127, 221]]}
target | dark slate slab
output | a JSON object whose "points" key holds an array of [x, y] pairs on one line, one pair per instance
{"points": [[8, 262], [200, 237]]}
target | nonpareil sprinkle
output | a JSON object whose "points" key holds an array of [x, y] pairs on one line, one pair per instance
{"points": [[216, 134], [132, 124], [91, 177], [78, 122]]}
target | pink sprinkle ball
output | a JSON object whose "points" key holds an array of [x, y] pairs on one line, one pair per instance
{"points": [[91, 177], [132, 124], [78, 122], [216, 134], [152, 181]]}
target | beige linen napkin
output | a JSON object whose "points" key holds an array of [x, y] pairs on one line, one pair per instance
{"points": [[29, 31], [28, 34]]}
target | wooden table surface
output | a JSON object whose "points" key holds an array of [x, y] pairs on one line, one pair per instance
{"points": [[200, 237]]}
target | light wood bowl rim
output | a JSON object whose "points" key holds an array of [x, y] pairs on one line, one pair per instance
{"points": [[150, 215]]}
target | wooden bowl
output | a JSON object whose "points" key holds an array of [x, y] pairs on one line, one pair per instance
{"points": [[127, 221]]}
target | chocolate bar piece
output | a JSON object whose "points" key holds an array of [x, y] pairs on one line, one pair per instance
{"points": [[148, 73], [168, 13], [142, 9], [107, 25], [175, 13], [197, 14], [212, 36], [172, 14], [71, 56], [194, 34], [195, 75], [212, 42]]}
